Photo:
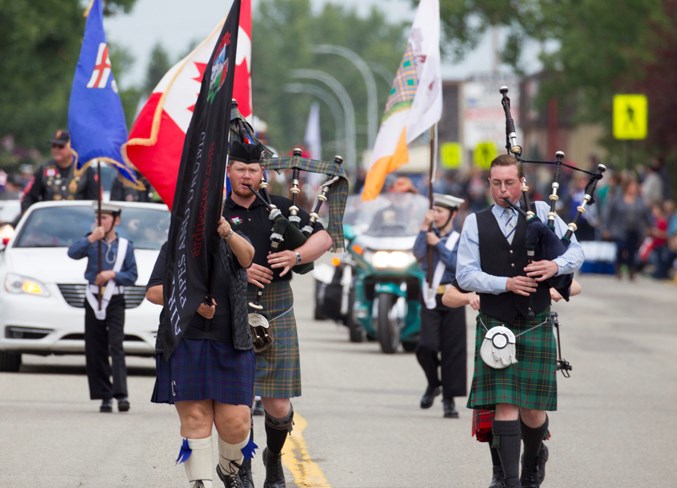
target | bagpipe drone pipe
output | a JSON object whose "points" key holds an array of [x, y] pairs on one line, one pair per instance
{"points": [[287, 232], [541, 241]]}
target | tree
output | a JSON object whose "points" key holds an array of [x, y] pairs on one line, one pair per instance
{"points": [[284, 33], [39, 48], [659, 81], [158, 65], [595, 50]]}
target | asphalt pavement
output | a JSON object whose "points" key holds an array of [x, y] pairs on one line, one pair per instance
{"points": [[359, 423]]}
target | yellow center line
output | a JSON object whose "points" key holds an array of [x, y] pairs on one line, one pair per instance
{"points": [[298, 461]]}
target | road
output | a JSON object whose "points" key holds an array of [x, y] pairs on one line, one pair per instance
{"points": [[359, 424]]}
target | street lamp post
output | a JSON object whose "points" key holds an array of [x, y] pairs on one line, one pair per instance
{"points": [[372, 99], [326, 97], [346, 102], [385, 75]]}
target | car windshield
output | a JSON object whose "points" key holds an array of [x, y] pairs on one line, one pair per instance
{"points": [[388, 215], [61, 226]]}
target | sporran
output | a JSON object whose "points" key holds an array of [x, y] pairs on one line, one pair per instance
{"points": [[259, 327], [498, 348]]}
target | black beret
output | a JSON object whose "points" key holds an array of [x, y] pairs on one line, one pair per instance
{"points": [[245, 153]]}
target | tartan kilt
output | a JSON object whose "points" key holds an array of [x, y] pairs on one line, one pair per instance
{"points": [[529, 383], [201, 369], [278, 369]]}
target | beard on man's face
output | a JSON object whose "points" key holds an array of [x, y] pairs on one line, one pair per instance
{"points": [[242, 190]]}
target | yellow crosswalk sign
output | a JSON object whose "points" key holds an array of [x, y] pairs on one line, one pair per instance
{"points": [[631, 113], [450, 155]]}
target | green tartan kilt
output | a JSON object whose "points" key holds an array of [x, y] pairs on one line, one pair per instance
{"points": [[529, 383], [278, 369]]}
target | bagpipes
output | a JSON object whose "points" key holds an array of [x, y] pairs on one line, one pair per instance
{"points": [[541, 240], [287, 232]]}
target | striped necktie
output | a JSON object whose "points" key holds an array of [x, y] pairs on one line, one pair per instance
{"points": [[509, 224]]}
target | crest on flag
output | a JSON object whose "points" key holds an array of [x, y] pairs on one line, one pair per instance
{"points": [[415, 100], [219, 68], [157, 135], [102, 70], [194, 249]]}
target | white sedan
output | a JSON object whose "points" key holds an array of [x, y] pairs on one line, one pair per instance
{"points": [[42, 290]]}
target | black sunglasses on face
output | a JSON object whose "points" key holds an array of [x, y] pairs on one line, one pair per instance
{"points": [[58, 146]]}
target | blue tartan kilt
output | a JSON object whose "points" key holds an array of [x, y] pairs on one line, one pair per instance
{"points": [[201, 369], [278, 369], [532, 381]]}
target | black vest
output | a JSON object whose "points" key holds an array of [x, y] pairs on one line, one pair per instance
{"points": [[500, 258]]}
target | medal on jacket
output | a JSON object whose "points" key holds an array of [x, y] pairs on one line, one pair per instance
{"points": [[498, 348], [73, 185]]}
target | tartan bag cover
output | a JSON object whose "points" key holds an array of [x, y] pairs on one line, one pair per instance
{"points": [[336, 197]]}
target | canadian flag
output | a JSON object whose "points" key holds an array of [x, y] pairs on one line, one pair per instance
{"points": [[156, 139]]}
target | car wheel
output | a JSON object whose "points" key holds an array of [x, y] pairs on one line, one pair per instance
{"points": [[10, 361]]}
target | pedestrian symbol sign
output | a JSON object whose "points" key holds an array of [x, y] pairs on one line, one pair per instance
{"points": [[630, 116], [484, 154]]}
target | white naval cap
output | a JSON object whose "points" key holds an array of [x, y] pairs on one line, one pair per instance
{"points": [[107, 208], [447, 201]]}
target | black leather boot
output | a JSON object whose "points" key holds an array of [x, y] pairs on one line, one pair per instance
{"points": [[274, 471], [246, 474], [230, 480], [449, 406], [541, 459], [532, 478], [497, 480], [529, 479], [429, 396]]}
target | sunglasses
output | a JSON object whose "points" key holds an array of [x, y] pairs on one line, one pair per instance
{"points": [[58, 146]]}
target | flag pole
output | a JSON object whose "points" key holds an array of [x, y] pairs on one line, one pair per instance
{"points": [[98, 223], [431, 176]]}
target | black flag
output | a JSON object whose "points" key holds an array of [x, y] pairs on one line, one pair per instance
{"points": [[199, 190]]}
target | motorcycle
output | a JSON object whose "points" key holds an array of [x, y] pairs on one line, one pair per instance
{"points": [[375, 286]]}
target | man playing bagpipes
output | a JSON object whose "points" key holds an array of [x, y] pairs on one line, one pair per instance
{"points": [[482, 419], [515, 358], [250, 210]]}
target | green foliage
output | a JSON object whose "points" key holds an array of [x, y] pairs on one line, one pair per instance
{"points": [[284, 34], [39, 48], [599, 48], [158, 65]]}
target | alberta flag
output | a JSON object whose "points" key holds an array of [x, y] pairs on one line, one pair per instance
{"points": [[96, 120]]}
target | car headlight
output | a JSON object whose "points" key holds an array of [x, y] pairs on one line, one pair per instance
{"points": [[392, 259], [15, 283]]}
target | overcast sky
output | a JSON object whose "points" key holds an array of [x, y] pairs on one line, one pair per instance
{"points": [[175, 23]]}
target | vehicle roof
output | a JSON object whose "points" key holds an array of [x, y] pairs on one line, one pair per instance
{"points": [[90, 203]]}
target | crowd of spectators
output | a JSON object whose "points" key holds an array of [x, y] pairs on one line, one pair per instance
{"points": [[633, 210]]}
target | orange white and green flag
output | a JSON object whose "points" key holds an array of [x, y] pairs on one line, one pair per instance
{"points": [[415, 101]]}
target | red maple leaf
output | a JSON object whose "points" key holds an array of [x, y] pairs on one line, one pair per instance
{"points": [[201, 67]]}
